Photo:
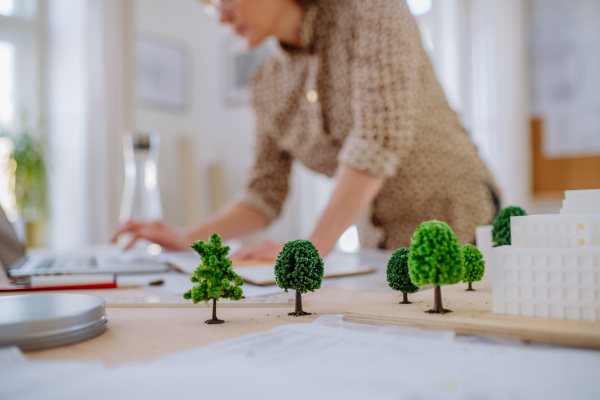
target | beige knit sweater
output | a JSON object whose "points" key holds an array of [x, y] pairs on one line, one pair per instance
{"points": [[362, 92]]}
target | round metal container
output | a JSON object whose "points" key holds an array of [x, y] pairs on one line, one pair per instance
{"points": [[41, 321]]}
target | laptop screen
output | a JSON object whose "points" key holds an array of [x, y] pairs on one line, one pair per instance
{"points": [[10, 248]]}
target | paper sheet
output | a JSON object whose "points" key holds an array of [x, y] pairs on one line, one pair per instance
{"points": [[324, 361], [178, 283], [264, 275]]}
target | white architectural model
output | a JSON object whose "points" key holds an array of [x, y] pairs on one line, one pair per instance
{"points": [[552, 268], [581, 202], [555, 231]]}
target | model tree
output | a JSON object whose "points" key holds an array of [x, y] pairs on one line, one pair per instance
{"points": [[474, 264], [397, 274], [299, 267], [214, 278], [435, 258], [501, 226]]}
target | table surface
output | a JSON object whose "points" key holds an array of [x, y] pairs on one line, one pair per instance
{"points": [[138, 334]]}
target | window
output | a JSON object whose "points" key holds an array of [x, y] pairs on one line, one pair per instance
{"points": [[7, 82], [20, 87], [7, 7], [20, 31]]}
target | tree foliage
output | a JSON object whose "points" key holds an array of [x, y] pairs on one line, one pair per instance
{"points": [[501, 226], [299, 267], [214, 278], [474, 264], [397, 272], [435, 255]]}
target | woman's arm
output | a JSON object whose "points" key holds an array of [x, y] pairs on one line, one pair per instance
{"points": [[234, 221], [262, 201], [354, 191]]}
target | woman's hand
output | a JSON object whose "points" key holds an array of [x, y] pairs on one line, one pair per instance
{"points": [[266, 250], [156, 231]]}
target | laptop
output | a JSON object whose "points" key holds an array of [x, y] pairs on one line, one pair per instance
{"points": [[17, 265]]}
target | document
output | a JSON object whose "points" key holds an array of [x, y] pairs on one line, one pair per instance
{"points": [[326, 359]]}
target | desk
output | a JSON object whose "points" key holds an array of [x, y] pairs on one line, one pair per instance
{"points": [[136, 334], [361, 362]]}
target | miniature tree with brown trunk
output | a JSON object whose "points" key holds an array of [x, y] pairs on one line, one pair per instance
{"points": [[214, 278], [397, 274], [501, 225], [299, 267], [435, 257], [474, 265]]}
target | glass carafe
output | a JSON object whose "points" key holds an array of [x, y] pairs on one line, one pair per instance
{"points": [[141, 195]]}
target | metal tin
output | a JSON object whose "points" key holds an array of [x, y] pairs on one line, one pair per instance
{"points": [[41, 321]]}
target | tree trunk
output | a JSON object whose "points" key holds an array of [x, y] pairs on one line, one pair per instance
{"points": [[438, 307], [405, 299], [437, 300], [298, 310], [214, 319], [470, 289], [298, 302]]}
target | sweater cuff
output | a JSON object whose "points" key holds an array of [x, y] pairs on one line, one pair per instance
{"points": [[256, 202], [369, 157]]}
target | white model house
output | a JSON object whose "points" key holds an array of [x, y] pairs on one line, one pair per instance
{"points": [[555, 231], [581, 202], [552, 268]]}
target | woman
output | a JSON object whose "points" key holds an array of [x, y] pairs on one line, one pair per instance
{"points": [[353, 95]]}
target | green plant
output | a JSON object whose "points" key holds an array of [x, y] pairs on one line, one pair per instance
{"points": [[474, 264], [299, 267], [29, 157], [435, 258], [501, 225], [214, 278], [397, 274]]}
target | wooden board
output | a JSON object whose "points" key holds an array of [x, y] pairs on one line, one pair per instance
{"points": [[552, 176], [192, 201], [138, 334], [472, 315]]}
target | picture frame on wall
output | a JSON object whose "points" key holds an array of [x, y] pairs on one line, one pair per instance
{"points": [[162, 74], [239, 63]]}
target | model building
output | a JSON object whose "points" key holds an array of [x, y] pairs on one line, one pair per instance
{"points": [[551, 269]]}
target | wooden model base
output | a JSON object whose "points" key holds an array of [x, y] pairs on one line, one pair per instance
{"points": [[472, 315]]}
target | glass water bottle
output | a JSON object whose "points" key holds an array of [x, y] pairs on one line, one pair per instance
{"points": [[141, 195]]}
